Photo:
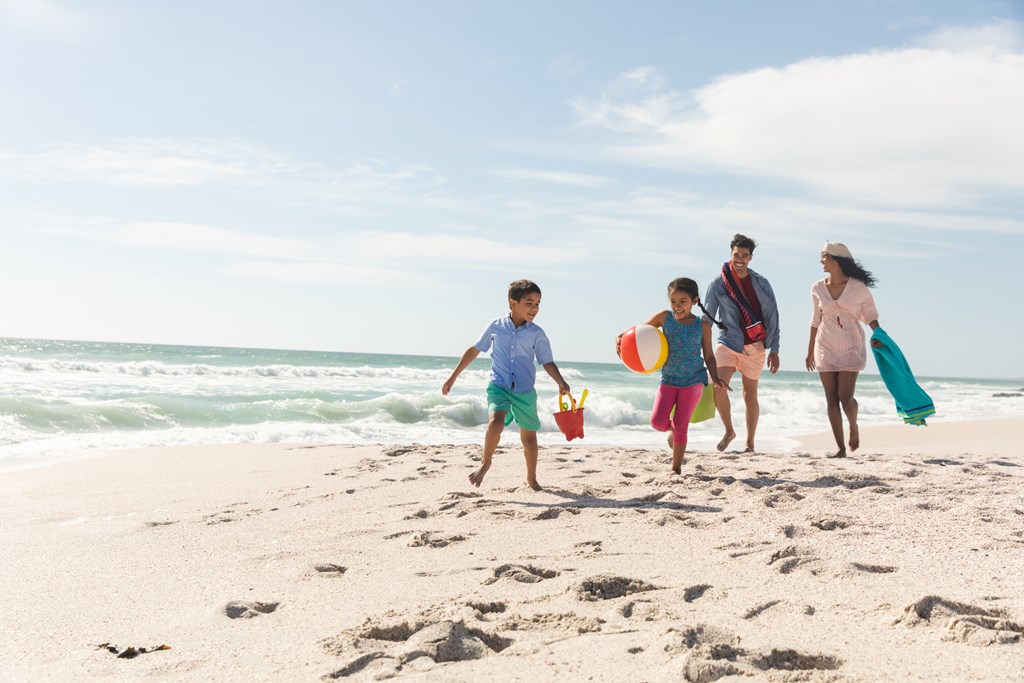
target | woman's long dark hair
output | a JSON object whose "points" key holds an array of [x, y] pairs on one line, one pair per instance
{"points": [[854, 269], [685, 284]]}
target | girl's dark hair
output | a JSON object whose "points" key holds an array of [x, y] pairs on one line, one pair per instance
{"points": [[688, 286], [854, 269]]}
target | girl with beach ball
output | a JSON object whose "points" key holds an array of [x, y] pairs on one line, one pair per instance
{"points": [[679, 344]]}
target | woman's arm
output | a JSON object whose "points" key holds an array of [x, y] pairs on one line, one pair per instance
{"points": [[875, 342], [809, 361]]}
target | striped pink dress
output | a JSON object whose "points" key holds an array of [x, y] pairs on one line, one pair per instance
{"points": [[840, 345]]}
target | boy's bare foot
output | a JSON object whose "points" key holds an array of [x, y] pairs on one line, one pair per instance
{"points": [[534, 485], [726, 440], [854, 438], [841, 453], [477, 477]]}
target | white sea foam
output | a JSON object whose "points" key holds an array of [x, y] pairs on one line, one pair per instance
{"points": [[63, 399]]}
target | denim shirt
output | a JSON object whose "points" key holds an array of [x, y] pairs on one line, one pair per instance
{"points": [[513, 350], [721, 307]]}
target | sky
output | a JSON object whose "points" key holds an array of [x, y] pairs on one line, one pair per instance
{"points": [[370, 175]]}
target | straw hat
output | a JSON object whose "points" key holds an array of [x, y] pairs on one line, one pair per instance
{"points": [[836, 249]]}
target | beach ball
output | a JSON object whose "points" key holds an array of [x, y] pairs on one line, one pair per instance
{"points": [[644, 348]]}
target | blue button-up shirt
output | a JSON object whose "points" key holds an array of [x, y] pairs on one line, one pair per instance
{"points": [[721, 307], [513, 350]]}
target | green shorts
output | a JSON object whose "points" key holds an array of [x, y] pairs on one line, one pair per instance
{"points": [[519, 407]]}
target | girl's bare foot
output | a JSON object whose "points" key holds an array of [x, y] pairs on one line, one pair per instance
{"points": [[841, 453], [726, 440], [750, 448], [534, 485], [678, 469], [854, 438], [477, 477]]}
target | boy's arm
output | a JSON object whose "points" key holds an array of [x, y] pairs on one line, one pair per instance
{"points": [[552, 370], [468, 357]]}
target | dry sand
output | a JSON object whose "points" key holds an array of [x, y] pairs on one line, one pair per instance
{"points": [[292, 563]]}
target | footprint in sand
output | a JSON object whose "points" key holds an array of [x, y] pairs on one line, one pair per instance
{"points": [[397, 645], [873, 568], [554, 512], [428, 539], [830, 524], [965, 623], [521, 573], [791, 557], [783, 499], [611, 587], [695, 592], [249, 610], [488, 607], [329, 569], [712, 654]]}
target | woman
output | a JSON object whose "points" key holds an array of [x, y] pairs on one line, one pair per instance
{"points": [[839, 303]]}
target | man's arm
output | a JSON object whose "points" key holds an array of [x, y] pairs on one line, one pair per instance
{"points": [[771, 319]]}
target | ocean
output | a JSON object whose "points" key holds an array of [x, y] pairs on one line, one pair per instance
{"points": [[63, 400]]}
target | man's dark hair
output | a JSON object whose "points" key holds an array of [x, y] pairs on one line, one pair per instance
{"points": [[520, 288], [743, 242]]}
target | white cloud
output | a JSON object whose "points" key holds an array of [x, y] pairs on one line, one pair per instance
{"points": [[996, 37], [43, 17], [556, 177], [147, 163], [176, 163], [919, 126], [317, 272], [467, 249], [168, 235], [206, 238]]}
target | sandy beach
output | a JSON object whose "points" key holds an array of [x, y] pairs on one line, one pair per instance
{"points": [[285, 562]]}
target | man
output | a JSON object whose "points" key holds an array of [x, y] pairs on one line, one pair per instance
{"points": [[744, 301]]}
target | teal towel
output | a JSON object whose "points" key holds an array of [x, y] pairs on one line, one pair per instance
{"points": [[913, 403]]}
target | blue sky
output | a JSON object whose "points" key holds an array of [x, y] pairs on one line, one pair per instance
{"points": [[369, 176]]}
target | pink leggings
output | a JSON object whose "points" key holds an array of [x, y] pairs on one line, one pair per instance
{"points": [[684, 400]]}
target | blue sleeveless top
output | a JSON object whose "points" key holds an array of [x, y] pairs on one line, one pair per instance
{"points": [[685, 364]]}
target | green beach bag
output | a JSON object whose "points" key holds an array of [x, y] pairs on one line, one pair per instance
{"points": [[705, 409]]}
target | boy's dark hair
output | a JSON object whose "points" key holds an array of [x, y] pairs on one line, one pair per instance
{"points": [[743, 242], [854, 269], [520, 288], [688, 286]]}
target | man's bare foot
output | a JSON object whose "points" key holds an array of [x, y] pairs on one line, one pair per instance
{"points": [[854, 438], [841, 453], [726, 440], [534, 485], [477, 477]]}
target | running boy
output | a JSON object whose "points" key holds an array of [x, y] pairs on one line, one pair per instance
{"points": [[514, 342]]}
